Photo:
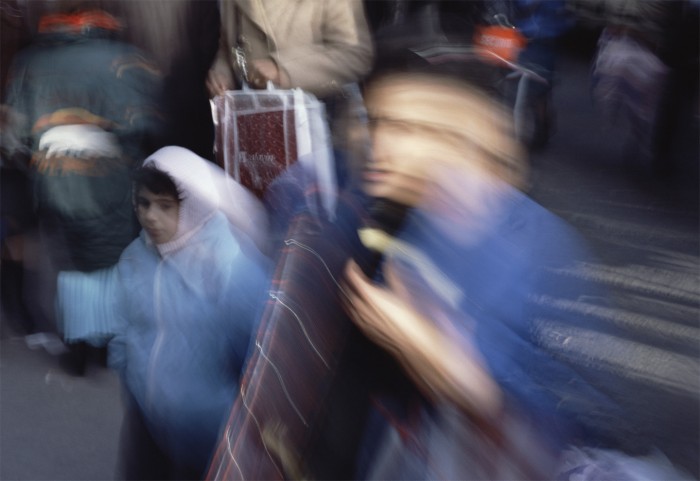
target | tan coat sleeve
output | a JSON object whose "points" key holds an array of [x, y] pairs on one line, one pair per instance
{"points": [[340, 53], [227, 40], [320, 44]]}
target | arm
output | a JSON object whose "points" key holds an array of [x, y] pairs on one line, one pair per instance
{"points": [[344, 55], [337, 51], [88, 305], [220, 77]]}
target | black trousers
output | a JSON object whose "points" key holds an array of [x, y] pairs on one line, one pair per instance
{"points": [[140, 456]]}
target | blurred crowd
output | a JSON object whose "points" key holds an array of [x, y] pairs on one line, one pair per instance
{"points": [[400, 333]]}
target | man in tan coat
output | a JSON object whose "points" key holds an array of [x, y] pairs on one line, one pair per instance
{"points": [[317, 45]]}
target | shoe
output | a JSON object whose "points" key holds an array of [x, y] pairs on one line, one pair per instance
{"points": [[47, 340]]}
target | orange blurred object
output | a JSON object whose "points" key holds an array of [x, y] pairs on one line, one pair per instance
{"points": [[497, 43]]}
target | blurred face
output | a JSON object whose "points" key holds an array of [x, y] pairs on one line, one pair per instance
{"points": [[424, 131], [158, 214]]}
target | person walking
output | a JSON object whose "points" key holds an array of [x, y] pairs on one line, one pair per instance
{"points": [[91, 110]]}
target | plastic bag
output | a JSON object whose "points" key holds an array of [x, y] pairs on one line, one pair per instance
{"points": [[260, 133]]}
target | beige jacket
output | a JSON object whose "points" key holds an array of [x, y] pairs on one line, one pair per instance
{"points": [[320, 44]]}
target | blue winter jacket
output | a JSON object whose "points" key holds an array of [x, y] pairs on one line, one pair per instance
{"points": [[542, 19], [186, 320], [519, 285]]}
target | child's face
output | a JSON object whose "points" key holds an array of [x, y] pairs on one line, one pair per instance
{"points": [[158, 214]]}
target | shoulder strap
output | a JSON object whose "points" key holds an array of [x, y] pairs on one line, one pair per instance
{"points": [[239, 49]]}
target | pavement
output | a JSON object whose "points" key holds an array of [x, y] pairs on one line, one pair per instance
{"points": [[645, 231], [54, 426]]}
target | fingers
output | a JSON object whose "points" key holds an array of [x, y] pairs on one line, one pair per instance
{"points": [[261, 72], [376, 311], [217, 84], [353, 279], [265, 69], [353, 273], [395, 282], [358, 299], [257, 82]]}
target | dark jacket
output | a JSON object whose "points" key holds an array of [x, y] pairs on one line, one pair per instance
{"points": [[91, 111]]}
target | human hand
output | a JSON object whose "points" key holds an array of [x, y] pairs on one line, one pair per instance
{"points": [[380, 313], [266, 70], [218, 83], [443, 363]]}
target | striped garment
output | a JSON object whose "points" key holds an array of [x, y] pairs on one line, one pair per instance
{"points": [[83, 305]]}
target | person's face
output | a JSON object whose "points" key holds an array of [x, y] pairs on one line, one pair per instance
{"points": [[420, 131], [158, 214]]}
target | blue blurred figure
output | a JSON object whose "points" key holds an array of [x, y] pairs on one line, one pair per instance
{"points": [[463, 296], [178, 309], [543, 23]]}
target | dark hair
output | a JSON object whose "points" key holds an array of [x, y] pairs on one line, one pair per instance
{"points": [[460, 64], [156, 181], [72, 6]]}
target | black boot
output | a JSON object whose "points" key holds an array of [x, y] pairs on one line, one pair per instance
{"points": [[74, 362]]}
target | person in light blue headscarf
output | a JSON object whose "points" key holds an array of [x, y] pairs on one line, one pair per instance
{"points": [[178, 309]]}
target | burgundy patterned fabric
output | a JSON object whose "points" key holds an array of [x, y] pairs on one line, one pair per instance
{"points": [[255, 136], [301, 407]]}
